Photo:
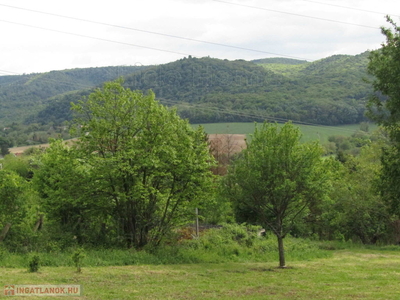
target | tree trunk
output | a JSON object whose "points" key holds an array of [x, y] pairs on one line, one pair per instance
{"points": [[282, 263], [4, 232], [39, 223]]}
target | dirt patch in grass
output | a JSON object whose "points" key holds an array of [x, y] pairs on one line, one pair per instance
{"points": [[20, 150]]}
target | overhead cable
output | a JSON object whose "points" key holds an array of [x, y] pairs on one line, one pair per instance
{"points": [[152, 32], [294, 14]]}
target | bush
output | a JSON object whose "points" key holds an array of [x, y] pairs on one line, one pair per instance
{"points": [[34, 264], [78, 257]]}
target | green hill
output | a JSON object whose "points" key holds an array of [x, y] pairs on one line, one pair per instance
{"points": [[329, 91], [22, 96]]}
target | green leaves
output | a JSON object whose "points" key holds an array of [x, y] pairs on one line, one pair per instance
{"points": [[4, 145], [384, 65], [276, 180], [356, 211], [18, 210], [384, 108], [12, 188], [141, 167]]}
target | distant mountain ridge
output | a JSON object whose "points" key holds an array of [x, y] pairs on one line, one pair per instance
{"points": [[329, 91]]}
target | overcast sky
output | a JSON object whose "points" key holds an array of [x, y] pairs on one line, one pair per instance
{"points": [[44, 35]]}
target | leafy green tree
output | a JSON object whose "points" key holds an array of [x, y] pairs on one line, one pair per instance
{"points": [[19, 164], [142, 167], [64, 184], [384, 65], [389, 180], [4, 145], [384, 107], [14, 198], [356, 211], [276, 180]]}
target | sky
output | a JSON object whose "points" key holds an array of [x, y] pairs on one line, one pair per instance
{"points": [[45, 35]]}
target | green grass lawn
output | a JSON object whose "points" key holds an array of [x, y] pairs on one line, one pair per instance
{"points": [[310, 133], [348, 274]]}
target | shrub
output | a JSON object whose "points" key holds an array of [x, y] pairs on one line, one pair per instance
{"points": [[78, 257], [34, 264]]}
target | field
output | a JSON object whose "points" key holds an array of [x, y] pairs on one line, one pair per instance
{"points": [[310, 133], [17, 150], [348, 274]]}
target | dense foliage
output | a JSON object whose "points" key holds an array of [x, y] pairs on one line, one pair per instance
{"points": [[76, 199], [4, 145], [384, 107], [142, 171]]}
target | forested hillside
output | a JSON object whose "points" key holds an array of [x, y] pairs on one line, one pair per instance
{"points": [[329, 91], [23, 96]]}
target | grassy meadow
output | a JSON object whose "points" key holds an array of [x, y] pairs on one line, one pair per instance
{"points": [[227, 263], [347, 274]]}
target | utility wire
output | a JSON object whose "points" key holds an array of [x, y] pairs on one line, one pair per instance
{"points": [[297, 15], [352, 8], [169, 35], [9, 72], [175, 36], [94, 38], [151, 32]]}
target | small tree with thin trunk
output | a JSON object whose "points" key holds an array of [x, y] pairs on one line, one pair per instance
{"points": [[275, 180]]}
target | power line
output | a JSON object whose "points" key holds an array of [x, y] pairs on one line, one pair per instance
{"points": [[175, 36], [94, 38], [297, 15], [352, 8], [151, 32], [168, 35], [9, 72]]}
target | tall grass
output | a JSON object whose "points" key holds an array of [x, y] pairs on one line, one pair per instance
{"points": [[231, 243]]}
